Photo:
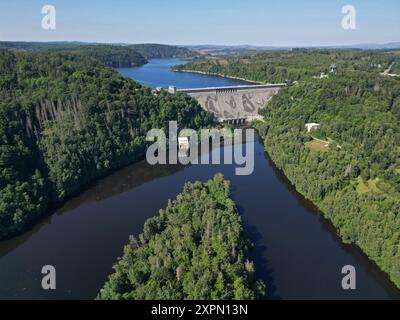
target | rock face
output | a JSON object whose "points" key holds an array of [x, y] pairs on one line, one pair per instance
{"points": [[234, 103]]}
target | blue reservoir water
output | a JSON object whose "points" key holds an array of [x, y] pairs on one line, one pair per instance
{"points": [[157, 73]]}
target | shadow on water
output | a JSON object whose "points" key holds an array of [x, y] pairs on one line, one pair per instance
{"points": [[87, 233], [369, 265], [122, 180], [258, 255]]}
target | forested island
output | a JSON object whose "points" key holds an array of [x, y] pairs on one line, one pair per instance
{"points": [[350, 167], [67, 119], [194, 249]]}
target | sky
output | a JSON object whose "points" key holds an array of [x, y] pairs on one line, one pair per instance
{"points": [[191, 22]]}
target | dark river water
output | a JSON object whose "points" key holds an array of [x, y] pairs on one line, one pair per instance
{"points": [[297, 252]]}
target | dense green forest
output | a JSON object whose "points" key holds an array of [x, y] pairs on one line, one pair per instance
{"points": [[280, 66], [110, 55], [116, 56], [194, 249], [160, 51], [396, 67], [66, 119], [35, 46], [350, 168]]}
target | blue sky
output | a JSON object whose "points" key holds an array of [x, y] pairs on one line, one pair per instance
{"points": [[257, 22]]}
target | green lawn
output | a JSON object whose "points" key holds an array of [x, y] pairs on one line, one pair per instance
{"points": [[320, 145], [317, 145]]}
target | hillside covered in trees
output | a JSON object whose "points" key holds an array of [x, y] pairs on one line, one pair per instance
{"points": [[350, 168], [194, 249], [280, 66], [66, 119], [111, 55], [161, 51]]}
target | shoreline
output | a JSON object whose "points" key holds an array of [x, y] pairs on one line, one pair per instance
{"points": [[217, 74], [324, 215]]}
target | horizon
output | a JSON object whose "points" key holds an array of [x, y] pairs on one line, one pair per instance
{"points": [[258, 23], [345, 46]]}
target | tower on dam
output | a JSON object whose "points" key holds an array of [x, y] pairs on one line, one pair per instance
{"points": [[236, 104]]}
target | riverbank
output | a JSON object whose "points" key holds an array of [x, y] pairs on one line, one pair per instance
{"points": [[323, 209], [216, 74], [291, 237]]}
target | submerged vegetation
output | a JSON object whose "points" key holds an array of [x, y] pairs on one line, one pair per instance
{"points": [[194, 249]]}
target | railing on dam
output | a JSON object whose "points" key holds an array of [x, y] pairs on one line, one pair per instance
{"points": [[232, 89]]}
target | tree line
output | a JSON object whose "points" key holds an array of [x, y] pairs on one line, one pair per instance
{"points": [[355, 178], [194, 249], [350, 168], [66, 119], [282, 66]]}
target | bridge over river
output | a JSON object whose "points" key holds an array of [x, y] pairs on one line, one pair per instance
{"points": [[233, 104]]}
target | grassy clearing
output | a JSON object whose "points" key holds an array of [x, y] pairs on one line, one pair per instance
{"points": [[372, 185], [317, 145], [320, 145]]}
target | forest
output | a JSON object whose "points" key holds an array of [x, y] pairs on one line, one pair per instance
{"points": [[194, 249], [114, 55], [66, 119], [161, 51], [293, 65], [350, 168], [111, 56]]}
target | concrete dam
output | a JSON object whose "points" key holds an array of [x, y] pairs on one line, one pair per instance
{"points": [[236, 104]]}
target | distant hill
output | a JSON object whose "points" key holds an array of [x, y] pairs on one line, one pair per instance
{"points": [[110, 55], [159, 51], [115, 56], [136, 53], [390, 45], [221, 50], [31, 45]]}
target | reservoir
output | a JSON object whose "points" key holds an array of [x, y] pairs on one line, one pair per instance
{"points": [[297, 252]]}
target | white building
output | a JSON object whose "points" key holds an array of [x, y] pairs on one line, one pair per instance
{"points": [[172, 89], [312, 126], [183, 146], [183, 143], [323, 75]]}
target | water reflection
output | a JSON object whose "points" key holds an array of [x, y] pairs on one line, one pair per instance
{"points": [[118, 182]]}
